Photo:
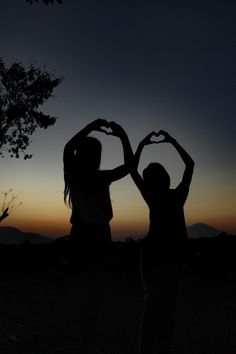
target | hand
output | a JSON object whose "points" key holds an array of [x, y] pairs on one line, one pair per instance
{"points": [[167, 137], [147, 140], [116, 130], [99, 125]]}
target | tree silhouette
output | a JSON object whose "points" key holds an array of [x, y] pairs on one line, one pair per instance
{"points": [[9, 203], [22, 91]]}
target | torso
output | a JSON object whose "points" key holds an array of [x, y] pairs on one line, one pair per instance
{"points": [[167, 222], [91, 200]]}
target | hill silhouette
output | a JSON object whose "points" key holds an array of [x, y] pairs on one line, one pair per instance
{"points": [[195, 231], [201, 230], [10, 235]]}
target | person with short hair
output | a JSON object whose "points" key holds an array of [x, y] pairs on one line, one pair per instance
{"points": [[162, 247]]}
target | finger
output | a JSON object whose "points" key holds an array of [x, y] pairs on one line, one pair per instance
{"points": [[113, 124], [102, 130], [161, 132], [161, 141], [153, 142], [104, 122], [151, 134]]}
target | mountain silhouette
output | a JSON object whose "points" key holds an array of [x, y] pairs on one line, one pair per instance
{"points": [[10, 235], [201, 230]]}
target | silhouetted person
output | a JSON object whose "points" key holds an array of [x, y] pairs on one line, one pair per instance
{"points": [[87, 192], [163, 245]]}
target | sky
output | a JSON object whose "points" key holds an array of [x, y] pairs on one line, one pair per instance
{"points": [[148, 65]]}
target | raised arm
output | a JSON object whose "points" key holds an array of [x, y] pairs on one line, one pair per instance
{"points": [[138, 180], [122, 170], [188, 161], [73, 142]]}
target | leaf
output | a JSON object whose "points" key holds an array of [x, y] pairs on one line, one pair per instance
{"points": [[23, 90]]}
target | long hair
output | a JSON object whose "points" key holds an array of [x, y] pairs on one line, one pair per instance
{"points": [[85, 160]]}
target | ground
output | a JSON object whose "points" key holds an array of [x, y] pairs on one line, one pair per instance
{"points": [[41, 306]]}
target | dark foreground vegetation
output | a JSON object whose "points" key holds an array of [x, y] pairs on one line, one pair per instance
{"points": [[42, 295]]}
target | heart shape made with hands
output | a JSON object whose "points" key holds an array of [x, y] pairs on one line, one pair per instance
{"points": [[106, 129], [156, 138]]}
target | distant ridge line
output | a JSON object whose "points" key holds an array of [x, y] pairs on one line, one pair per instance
{"points": [[11, 235]]}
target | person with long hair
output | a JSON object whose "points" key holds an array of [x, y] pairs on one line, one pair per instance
{"points": [[161, 257], [87, 187], [87, 193]]}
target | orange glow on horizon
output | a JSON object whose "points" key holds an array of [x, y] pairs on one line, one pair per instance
{"points": [[58, 227], [44, 212]]}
